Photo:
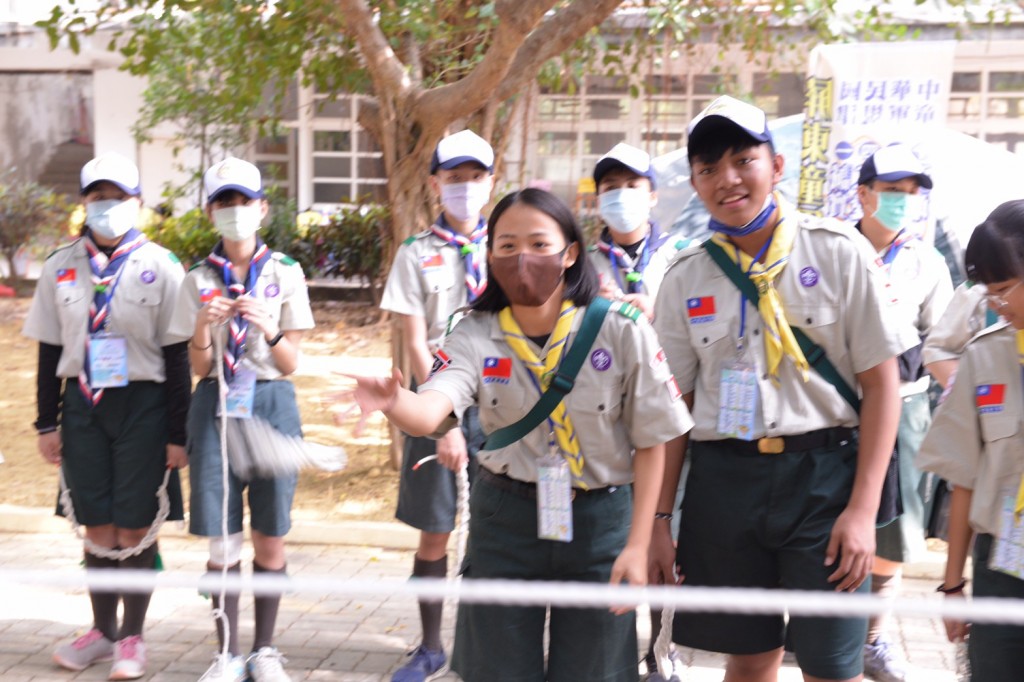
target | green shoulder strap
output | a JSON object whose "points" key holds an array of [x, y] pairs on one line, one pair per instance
{"points": [[561, 382], [814, 353]]}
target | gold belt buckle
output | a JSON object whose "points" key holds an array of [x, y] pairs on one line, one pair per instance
{"points": [[771, 446]]}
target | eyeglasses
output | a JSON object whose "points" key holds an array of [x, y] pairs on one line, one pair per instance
{"points": [[999, 300]]}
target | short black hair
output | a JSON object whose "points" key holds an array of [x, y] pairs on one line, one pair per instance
{"points": [[581, 282], [995, 252], [718, 136]]}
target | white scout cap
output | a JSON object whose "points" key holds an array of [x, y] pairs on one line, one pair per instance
{"points": [[113, 168], [747, 117], [892, 163], [626, 156], [233, 174], [462, 147]]}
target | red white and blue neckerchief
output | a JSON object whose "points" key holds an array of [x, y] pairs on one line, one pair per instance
{"points": [[238, 326], [105, 273], [897, 244], [472, 250], [629, 271]]}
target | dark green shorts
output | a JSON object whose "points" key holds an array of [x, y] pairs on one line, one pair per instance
{"points": [[115, 455], [996, 649], [763, 521], [506, 643]]}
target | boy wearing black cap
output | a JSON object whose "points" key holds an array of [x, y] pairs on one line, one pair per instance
{"points": [[782, 491], [632, 252], [436, 273], [888, 189]]}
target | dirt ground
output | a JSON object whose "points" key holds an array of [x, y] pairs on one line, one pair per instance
{"points": [[347, 337]]}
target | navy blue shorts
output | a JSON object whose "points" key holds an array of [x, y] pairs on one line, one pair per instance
{"points": [[270, 499]]}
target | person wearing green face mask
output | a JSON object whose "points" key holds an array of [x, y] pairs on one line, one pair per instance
{"points": [[888, 189]]}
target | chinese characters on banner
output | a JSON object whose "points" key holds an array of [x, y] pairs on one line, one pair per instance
{"points": [[861, 97]]}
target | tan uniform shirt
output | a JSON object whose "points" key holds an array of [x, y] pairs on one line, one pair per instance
{"points": [[653, 273], [624, 396], [966, 315], [830, 288], [140, 309], [920, 282], [281, 286], [428, 280], [976, 440]]}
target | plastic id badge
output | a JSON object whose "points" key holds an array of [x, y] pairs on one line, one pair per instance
{"points": [[108, 361], [1008, 548], [554, 498], [737, 400], [241, 393]]}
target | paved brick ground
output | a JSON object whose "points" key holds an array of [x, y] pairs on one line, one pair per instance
{"points": [[340, 639]]}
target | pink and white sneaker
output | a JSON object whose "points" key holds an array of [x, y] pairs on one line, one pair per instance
{"points": [[92, 647], [129, 659]]}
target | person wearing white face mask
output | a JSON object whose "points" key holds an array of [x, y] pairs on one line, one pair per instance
{"points": [[888, 189], [113, 391], [255, 301], [632, 253], [436, 273]]}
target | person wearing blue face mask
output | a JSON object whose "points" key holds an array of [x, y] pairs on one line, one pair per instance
{"points": [[632, 252], [889, 190], [112, 390]]}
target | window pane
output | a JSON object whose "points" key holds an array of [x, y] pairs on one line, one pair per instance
{"points": [[662, 143], [1005, 107], [557, 109], [366, 142], [966, 82], [965, 107], [370, 167], [551, 144], [607, 85], [377, 194], [787, 89], [600, 143], [273, 170], [607, 109], [332, 166], [664, 84], [557, 169], [332, 141], [325, 108], [711, 84], [275, 144], [331, 193], [676, 109], [1005, 81]]}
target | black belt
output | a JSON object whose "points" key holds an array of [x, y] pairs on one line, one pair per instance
{"points": [[822, 438], [529, 490]]}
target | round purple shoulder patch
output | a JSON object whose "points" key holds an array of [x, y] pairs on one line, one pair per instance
{"points": [[601, 359], [148, 276], [808, 276], [271, 291]]}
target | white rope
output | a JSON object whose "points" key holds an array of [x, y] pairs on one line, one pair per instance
{"points": [[162, 512], [537, 593], [663, 645], [462, 507], [222, 392]]}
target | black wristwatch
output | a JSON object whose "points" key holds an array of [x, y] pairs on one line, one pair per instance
{"points": [[274, 341]]}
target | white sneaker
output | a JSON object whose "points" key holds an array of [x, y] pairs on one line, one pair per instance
{"points": [[129, 659], [265, 665], [92, 647], [226, 668]]}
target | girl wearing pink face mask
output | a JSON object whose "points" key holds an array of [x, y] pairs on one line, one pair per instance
{"points": [[602, 445]]}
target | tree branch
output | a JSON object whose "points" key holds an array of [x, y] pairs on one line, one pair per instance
{"points": [[385, 68], [516, 19], [554, 37]]}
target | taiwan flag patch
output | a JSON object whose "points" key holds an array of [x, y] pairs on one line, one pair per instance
{"points": [[441, 362], [497, 370], [989, 398], [66, 277], [208, 294], [430, 262], [700, 309]]}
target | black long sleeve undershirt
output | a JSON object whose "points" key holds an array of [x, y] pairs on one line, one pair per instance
{"points": [[179, 390], [48, 388]]}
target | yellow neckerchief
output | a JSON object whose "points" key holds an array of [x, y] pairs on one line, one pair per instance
{"points": [[542, 370], [778, 338], [1019, 506]]}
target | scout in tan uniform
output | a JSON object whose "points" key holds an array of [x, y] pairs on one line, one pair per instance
{"points": [[101, 312], [257, 303], [436, 273], [781, 491], [624, 402], [632, 253], [888, 189], [967, 314], [976, 442]]}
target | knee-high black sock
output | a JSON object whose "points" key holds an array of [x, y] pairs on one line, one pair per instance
{"points": [[136, 604], [229, 607], [104, 603], [431, 610], [265, 611]]}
